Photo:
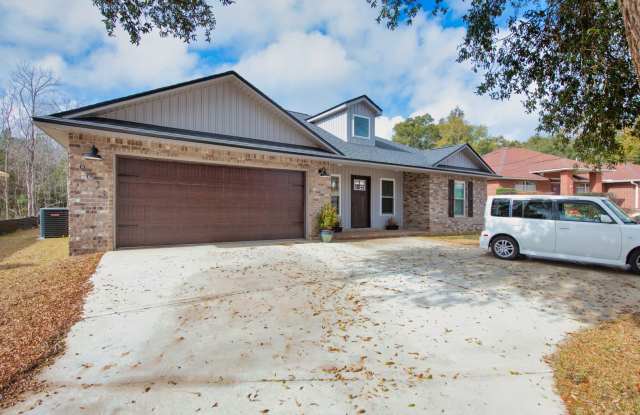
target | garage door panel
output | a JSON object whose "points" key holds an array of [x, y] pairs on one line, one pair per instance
{"points": [[161, 202]]}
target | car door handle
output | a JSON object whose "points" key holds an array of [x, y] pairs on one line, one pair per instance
{"points": [[564, 228]]}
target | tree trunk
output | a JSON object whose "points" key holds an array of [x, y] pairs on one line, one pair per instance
{"points": [[631, 16]]}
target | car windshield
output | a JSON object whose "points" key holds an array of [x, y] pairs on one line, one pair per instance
{"points": [[619, 212]]}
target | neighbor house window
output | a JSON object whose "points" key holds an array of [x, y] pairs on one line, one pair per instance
{"points": [[458, 198], [387, 194], [582, 188], [335, 192], [525, 186], [360, 126]]}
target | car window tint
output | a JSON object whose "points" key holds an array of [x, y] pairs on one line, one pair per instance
{"points": [[580, 211], [500, 207], [516, 209], [537, 209]]}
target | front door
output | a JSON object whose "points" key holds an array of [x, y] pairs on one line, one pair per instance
{"points": [[360, 202]]}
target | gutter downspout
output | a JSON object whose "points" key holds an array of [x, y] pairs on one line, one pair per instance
{"points": [[636, 184]]}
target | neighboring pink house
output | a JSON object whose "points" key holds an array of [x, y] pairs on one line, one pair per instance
{"points": [[531, 171]]}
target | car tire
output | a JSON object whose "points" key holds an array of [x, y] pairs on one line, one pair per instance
{"points": [[505, 247], [634, 261]]}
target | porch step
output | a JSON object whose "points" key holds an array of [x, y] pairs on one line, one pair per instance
{"points": [[351, 234]]}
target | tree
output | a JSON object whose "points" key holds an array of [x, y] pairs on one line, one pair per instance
{"points": [[631, 16], [454, 129], [178, 18], [33, 90], [6, 118], [555, 145], [419, 132], [568, 59]]}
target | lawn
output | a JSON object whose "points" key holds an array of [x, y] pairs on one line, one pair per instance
{"points": [[466, 239], [42, 291], [597, 371]]}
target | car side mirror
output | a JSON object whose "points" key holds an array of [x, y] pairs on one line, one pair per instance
{"points": [[605, 219]]}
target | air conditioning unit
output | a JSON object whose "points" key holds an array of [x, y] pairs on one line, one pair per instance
{"points": [[54, 222]]}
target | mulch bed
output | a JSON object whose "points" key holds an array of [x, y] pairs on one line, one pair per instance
{"points": [[597, 371], [38, 307]]}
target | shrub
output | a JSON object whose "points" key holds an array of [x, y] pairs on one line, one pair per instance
{"points": [[506, 191], [328, 217]]}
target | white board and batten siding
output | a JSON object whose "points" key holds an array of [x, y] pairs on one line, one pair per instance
{"points": [[340, 123], [464, 158], [336, 124], [222, 106], [378, 220]]}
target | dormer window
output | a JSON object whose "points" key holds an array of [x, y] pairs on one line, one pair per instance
{"points": [[361, 126]]}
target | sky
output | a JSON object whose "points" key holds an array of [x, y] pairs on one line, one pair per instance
{"points": [[305, 54]]}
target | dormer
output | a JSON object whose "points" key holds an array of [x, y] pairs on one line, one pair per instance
{"points": [[353, 121]]}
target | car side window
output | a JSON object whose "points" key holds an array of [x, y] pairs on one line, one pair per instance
{"points": [[500, 207], [581, 211], [516, 209], [538, 209]]}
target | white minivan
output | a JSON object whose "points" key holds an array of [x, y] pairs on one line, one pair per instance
{"points": [[574, 228]]}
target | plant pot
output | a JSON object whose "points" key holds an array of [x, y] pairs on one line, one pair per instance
{"points": [[337, 229], [392, 227], [326, 235]]}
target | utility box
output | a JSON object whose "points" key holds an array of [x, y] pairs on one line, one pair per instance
{"points": [[54, 222]]}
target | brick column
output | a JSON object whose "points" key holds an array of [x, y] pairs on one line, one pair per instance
{"points": [[566, 182], [595, 180]]}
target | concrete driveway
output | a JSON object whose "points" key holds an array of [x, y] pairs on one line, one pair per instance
{"points": [[405, 325]]}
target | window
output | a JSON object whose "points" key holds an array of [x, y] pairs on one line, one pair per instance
{"points": [[500, 207], [618, 212], [537, 209], [387, 193], [582, 188], [335, 192], [360, 126], [525, 186], [458, 198], [516, 209], [360, 185], [575, 211]]}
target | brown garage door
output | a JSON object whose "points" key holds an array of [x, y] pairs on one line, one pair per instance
{"points": [[164, 203]]}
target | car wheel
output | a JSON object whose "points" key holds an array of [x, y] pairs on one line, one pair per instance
{"points": [[634, 261], [505, 247]]}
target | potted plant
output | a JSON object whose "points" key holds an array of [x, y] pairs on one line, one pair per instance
{"points": [[391, 225], [327, 219], [338, 226]]}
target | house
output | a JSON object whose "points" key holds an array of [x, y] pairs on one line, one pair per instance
{"points": [[531, 171], [215, 159]]}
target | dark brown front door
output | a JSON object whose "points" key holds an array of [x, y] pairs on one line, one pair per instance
{"points": [[166, 203], [360, 202]]}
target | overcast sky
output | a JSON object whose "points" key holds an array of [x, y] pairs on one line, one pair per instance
{"points": [[307, 55]]}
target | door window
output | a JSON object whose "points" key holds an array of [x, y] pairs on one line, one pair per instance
{"points": [[537, 209], [335, 193], [578, 211], [360, 185]]}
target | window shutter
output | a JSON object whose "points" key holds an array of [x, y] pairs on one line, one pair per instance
{"points": [[469, 199], [450, 198]]}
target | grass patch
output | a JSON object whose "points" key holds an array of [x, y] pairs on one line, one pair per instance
{"points": [[467, 239], [42, 292], [597, 371]]}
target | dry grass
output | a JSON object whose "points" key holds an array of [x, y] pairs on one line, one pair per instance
{"points": [[597, 371], [42, 291], [468, 239]]}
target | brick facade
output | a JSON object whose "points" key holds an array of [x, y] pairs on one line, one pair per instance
{"points": [[91, 183], [426, 204]]}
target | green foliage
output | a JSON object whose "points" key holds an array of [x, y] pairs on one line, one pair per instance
{"points": [[556, 145], [506, 191], [178, 18], [567, 59], [327, 217], [419, 132], [630, 144]]}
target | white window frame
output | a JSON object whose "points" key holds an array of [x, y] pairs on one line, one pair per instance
{"points": [[582, 184], [464, 199], [353, 126], [339, 193], [524, 186], [382, 179]]}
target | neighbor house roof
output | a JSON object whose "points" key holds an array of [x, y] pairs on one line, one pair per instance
{"points": [[383, 151], [522, 163], [624, 172]]}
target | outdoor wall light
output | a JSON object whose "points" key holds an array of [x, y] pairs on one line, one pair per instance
{"points": [[92, 154], [322, 171]]}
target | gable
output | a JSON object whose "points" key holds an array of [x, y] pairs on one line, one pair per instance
{"points": [[221, 106], [464, 158]]}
